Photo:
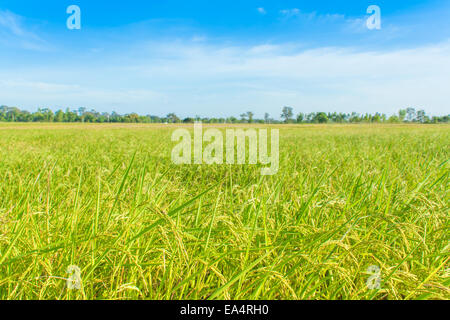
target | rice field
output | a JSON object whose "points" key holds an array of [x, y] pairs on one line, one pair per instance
{"points": [[355, 212]]}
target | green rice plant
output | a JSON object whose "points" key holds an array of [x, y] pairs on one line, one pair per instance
{"points": [[107, 199]]}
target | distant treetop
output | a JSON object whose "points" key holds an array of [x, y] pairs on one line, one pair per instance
{"points": [[408, 115]]}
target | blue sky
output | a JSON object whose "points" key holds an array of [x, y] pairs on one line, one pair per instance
{"points": [[222, 58]]}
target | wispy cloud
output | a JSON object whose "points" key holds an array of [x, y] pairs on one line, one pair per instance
{"points": [[13, 33], [262, 11], [312, 16], [214, 79], [51, 94], [10, 21], [288, 13], [192, 70], [198, 38]]}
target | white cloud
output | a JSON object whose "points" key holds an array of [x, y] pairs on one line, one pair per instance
{"points": [[39, 85], [197, 78], [199, 38], [290, 12], [62, 95], [314, 17], [11, 22], [13, 33], [262, 11]]}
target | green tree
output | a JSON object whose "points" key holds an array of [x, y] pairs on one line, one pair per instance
{"points": [[59, 116], [376, 118], [287, 114], [394, 119], [402, 115], [250, 116], [321, 117], [172, 118], [421, 116], [411, 114]]}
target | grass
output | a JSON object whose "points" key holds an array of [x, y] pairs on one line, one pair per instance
{"points": [[107, 199]]}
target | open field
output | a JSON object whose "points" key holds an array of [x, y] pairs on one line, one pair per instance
{"points": [[108, 199]]}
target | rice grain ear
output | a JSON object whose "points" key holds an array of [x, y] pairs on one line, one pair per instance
{"points": [[108, 198]]}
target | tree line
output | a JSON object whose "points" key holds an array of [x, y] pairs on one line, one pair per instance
{"points": [[13, 114]]}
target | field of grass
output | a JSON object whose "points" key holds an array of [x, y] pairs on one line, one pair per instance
{"points": [[108, 199]]}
